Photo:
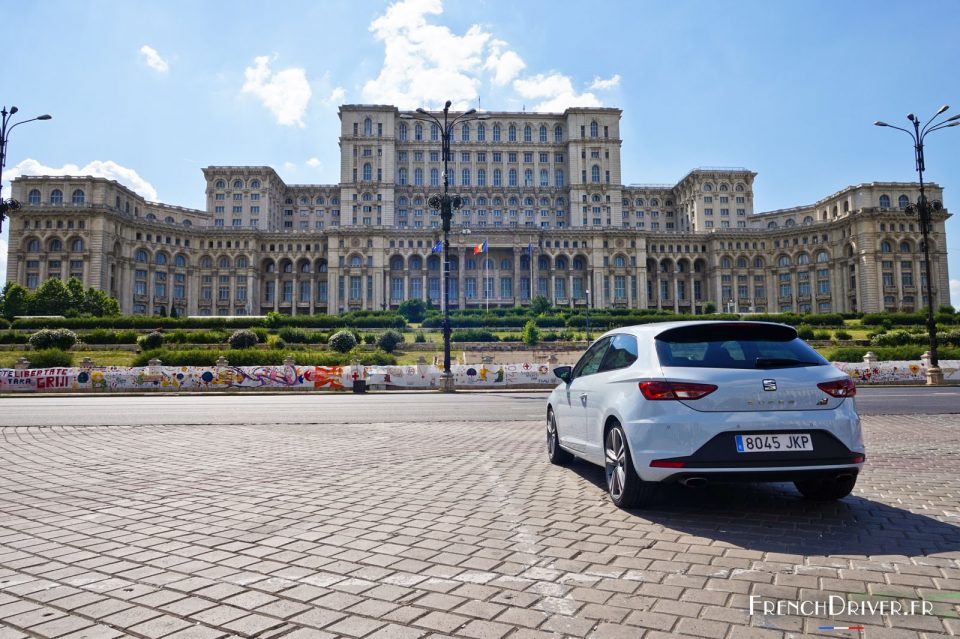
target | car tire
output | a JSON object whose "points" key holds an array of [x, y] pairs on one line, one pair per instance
{"points": [[624, 486], [826, 489], [555, 453]]}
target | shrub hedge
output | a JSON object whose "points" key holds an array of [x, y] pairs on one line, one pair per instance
{"points": [[906, 352], [473, 335], [356, 319], [60, 338], [200, 357], [50, 358]]}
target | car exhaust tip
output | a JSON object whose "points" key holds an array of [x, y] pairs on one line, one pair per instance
{"points": [[843, 477], [694, 482]]}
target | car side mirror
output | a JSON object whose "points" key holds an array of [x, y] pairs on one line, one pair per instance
{"points": [[564, 372]]}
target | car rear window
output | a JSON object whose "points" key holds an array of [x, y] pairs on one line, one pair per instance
{"points": [[736, 345]]}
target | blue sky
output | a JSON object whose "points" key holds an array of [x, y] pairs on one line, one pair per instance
{"points": [[149, 92]]}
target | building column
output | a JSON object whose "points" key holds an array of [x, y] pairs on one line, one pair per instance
{"points": [[461, 275], [676, 294], [552, 294], [276, 293], [516, 275], [406, 286]]}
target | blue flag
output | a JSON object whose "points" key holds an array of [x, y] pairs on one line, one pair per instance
{"points": [[529, 248], [438, 247]]}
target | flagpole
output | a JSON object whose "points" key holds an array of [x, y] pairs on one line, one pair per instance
{"points": [[486, 294]]}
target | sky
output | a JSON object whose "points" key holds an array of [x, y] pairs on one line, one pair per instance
{"points": [[147, 92]]}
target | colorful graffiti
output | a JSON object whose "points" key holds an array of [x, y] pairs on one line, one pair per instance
{"points": [[338, 378]]}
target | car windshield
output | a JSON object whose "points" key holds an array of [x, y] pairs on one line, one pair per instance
{"points": [[736, 345]]}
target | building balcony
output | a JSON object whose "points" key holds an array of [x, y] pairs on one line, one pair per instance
{"points": [[909, 289], [785, 299], [824, 297], [803, 298], [205, 303], [889, 289], [355, 303], [621, 302]]}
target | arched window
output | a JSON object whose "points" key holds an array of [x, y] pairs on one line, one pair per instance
{"points": [[356, 261], [242, 262], [396, 264], [528, 177], [418, 177], [512, 134], [904, 247], [619, 262], [367, 172], [160, 259], [772, 224], [885, 247], [403, 132], [707, 187], [269, 267], [808, 220], [305, 266], [367, 126], [481, 132], [434, 132], [885, 201], [741, 262], [180, 261], [416, 263], [402, 176], [558, 133], [433, 263], [783, 260], [725, 262], [561, 263], [77, 245], [594, 129], [418, 132], [33, 246], [238, 184], [822, 257], [56, 245], [803, 259], [434, 177], [527, 134], [903, 202], [496, 132], [254, 184], [543, 133], [78, 196], [790, 222], [465, 132], [223, 262], [481, 177], [513, 177], [578, 264], [56, 197], [140, 256], [221, 184], [497, 177], [738, 188], [207, 262], [543, 263], [34, 197], [287, 266], [595, 174], [758, 262]]}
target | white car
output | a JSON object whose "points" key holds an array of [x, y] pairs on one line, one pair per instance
{"points": [[702, 401]]}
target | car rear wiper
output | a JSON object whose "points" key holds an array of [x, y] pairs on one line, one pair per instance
{"points": [[782, 362]]}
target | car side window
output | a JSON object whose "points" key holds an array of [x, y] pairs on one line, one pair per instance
{"points": [[622, 353], [590, 362]]}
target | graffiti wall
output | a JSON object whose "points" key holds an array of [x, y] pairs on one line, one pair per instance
{"points": [[419, 376], [200, 378]]}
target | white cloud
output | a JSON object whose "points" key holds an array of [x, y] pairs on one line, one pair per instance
{"points": [[286, 93], [955, 292], [600, 84], [289, 166], [153, 59], [424, 63], [314, 163], [337, 96], [98, 168], [555, 92]]}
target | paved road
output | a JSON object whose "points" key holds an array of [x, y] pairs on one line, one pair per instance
{"points": [[294, 408], [453, 525]]}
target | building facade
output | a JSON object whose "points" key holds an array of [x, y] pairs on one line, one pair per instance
{"points": [[543, 191]]}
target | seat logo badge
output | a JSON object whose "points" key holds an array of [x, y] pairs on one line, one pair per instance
{"points": [[769, 384]]}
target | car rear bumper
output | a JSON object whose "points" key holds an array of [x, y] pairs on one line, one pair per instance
{"points": [[758, 475]]}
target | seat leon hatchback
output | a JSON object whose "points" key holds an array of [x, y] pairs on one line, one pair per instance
{"points": [[704, 401]]}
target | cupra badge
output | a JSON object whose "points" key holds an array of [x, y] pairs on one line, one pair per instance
{"points": [[769, 384]]}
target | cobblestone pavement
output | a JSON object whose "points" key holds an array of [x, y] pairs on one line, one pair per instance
{"points": [[398, 531]]}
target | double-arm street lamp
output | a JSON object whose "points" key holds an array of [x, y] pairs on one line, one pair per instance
{"points": [[925, 210], [446, 204], [11, 204]]}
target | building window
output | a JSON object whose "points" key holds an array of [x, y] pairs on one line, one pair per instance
{"points": [[56, 197]]}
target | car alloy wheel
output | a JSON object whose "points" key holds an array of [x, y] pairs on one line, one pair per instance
{"points": [[624, 485], [555, 453]]}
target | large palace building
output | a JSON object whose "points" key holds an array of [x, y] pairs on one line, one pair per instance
{"points": [[544, 193]]}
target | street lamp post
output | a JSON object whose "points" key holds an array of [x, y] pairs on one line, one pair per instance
{"points": [[11, 204], [925, 211], [587, 291], [446, 204]]}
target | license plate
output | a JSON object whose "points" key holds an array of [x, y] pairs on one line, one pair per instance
{"points": [[766, 443]]}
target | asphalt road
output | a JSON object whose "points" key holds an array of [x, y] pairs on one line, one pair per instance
{"points": [[295, 408]]}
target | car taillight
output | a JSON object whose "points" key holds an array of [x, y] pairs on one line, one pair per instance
{"points": [[840, 388], [675, 390]]}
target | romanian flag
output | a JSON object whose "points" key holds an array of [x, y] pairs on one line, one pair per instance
{"points": [[480, 248]]}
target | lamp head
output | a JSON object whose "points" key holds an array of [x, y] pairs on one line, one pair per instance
{"points": [[447, 104], [470, 112], [45, 116], [911, 117], [952, 118], [421, 110], [877, 123], [943, 108], [13, 110]]}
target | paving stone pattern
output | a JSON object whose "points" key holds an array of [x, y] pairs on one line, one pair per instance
{"points": [[396, 531]]}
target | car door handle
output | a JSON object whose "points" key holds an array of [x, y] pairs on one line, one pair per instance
{"points": [[583, 398]]}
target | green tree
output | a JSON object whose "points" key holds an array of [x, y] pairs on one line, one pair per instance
{"points": [[709, 307], [389, 340], [413, 310], [99, 304], [77, 296], [51, 298], [342, 341], [540, 305], [14, 300], [531, 334]]}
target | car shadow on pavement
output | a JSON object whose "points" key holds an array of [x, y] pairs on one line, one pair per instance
{"points": [[775, 518]]}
